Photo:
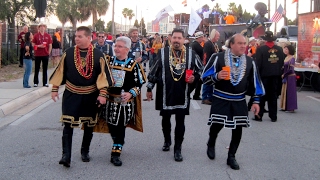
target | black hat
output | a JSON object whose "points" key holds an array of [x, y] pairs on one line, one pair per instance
{"points": [[268, 36]]}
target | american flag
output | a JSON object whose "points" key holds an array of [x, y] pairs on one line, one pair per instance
{"points": [[278, 14]]}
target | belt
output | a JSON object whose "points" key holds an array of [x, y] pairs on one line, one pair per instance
{"points": [[228, 96], [115, 98], [80, 89]]}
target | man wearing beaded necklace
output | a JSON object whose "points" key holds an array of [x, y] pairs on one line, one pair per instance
{"points": [[86, 76], [210, 47], [173, 91], [138, 50], [229, 108]]}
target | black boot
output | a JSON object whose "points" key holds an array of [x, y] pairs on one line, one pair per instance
{"points": [[167, 139], [85, 147], [177, 153], [211, 148], [115, 155], [232, 162], [66, 150]]}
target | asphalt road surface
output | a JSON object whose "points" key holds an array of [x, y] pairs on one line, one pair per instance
{"points": [[30, 147]]}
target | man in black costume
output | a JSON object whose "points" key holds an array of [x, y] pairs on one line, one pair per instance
{"points": [[172, 95], [229, 108], [86, 77]]}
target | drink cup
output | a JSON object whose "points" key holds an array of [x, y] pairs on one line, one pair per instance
{"points": [[44, 43], [35, 47], [227, 68], [189, 73]]}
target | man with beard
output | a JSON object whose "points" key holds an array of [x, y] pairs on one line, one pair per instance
{"points": [[172, 92], [234, 75], [86, 76], [210, 47], [103, 46], [138, 50]]}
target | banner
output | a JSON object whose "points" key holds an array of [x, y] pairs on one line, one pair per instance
{"points": [[194, 22], [162, 14]]}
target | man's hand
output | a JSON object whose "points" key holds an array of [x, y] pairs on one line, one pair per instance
{"points": [[149, 96], [102, 100], [54, 96], [255, 108], [139, 59], [191, 79], [126, 96], [223, 74]]}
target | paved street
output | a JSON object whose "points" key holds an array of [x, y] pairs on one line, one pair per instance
{"points": [[30, 147]]}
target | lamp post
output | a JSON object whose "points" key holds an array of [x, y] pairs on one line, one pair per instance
{"points": [[113, 17]]}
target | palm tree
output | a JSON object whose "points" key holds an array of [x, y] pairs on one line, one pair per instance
{"points": [[124, 13], [94, 8], [130, 15]]}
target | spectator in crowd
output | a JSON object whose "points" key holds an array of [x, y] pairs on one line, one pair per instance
{"points": [[21, 40]]}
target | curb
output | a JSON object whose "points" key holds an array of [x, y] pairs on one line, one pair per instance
{"points": [[23, 100]]}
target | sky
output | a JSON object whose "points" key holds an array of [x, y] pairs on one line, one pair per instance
{"points": [[149, 8]]}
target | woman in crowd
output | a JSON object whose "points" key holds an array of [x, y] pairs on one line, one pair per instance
{"points": [[289, 92], [56, 50], [27, 59], [157, 44]]}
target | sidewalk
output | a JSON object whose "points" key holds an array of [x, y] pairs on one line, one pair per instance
{"points": [[13, 96]]}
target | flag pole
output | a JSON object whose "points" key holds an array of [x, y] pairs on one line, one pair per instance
{"points": [[285, 16], [275, 23], [268, 13], [297, 12]]}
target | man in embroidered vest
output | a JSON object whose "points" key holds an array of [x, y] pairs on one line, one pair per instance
{"points": [[233, 74], [86, 76], [210, 47], [173, 91], [123, 107], [103, 46], [269, 60], [137, 50]]}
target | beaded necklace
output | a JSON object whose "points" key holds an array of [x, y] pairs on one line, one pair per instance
{"points": [[177, 63], [238, 69], [85, 68]]}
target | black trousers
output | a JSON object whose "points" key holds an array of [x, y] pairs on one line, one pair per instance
{"points": [[38, 60], [196, 86], [235, 138], [271, 85], [178, 131], [21, 56], [68, 130], [118, 132]]}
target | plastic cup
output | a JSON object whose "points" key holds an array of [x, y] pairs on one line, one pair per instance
{"points": [[227, 68], [35, 47], [189, 73], [44, 43]]}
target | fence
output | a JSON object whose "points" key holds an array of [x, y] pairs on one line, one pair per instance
{"points": [[9, 54]]}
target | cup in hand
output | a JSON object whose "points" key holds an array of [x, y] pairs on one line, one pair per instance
{"points": [[189, 73], [44, 44], [227, 68], [35, 47]]}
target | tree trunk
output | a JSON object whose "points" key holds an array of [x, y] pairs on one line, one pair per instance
{"points": [[125, 25], [94, 19], [74, 24]]}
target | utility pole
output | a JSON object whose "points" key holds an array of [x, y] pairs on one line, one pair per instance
{"points": [[113, 17]]}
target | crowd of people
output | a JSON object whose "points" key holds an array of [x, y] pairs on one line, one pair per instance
{"points": [[103, 81]]}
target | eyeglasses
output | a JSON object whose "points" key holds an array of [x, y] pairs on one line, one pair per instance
{"points": [[100, 36]]}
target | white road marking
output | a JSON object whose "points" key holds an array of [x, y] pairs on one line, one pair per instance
{"points": [[195, 104], [314, 98]]}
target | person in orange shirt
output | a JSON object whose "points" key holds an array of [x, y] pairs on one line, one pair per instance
{"points": [[57, 34], [229, 19], [157, 44]]}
